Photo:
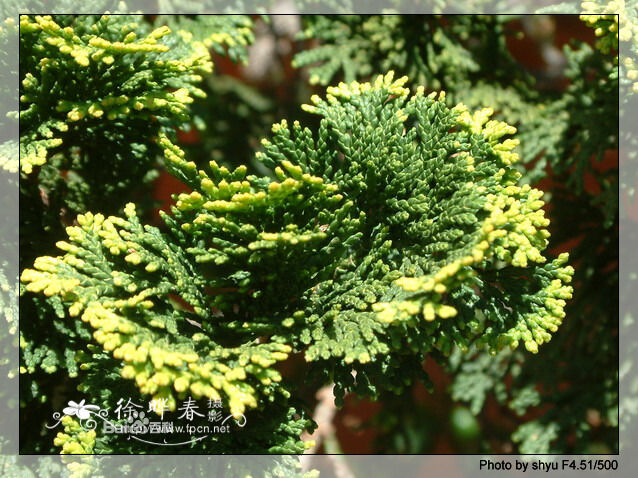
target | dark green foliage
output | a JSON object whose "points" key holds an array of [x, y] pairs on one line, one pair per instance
{"points": [[582, 381], [226, 35], [390, 228], [95, 94], [229, 123], [467, 56], [567, 134], [438, 52], [360, 293]]}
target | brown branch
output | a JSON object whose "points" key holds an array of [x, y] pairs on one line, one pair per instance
{"points": [[325, 432]]}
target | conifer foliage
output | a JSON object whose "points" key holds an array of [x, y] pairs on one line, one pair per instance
{"points": [[341, 221], [392, 226], [566, 133], [76, 68]]}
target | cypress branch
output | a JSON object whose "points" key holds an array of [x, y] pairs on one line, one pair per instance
{"points": [[395, 230]]}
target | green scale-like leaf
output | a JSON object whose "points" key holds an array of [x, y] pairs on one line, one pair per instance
{"points": [[395, 230], [89, 78]]}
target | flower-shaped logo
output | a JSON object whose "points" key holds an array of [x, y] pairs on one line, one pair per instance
{"points": [[79, 409]]}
